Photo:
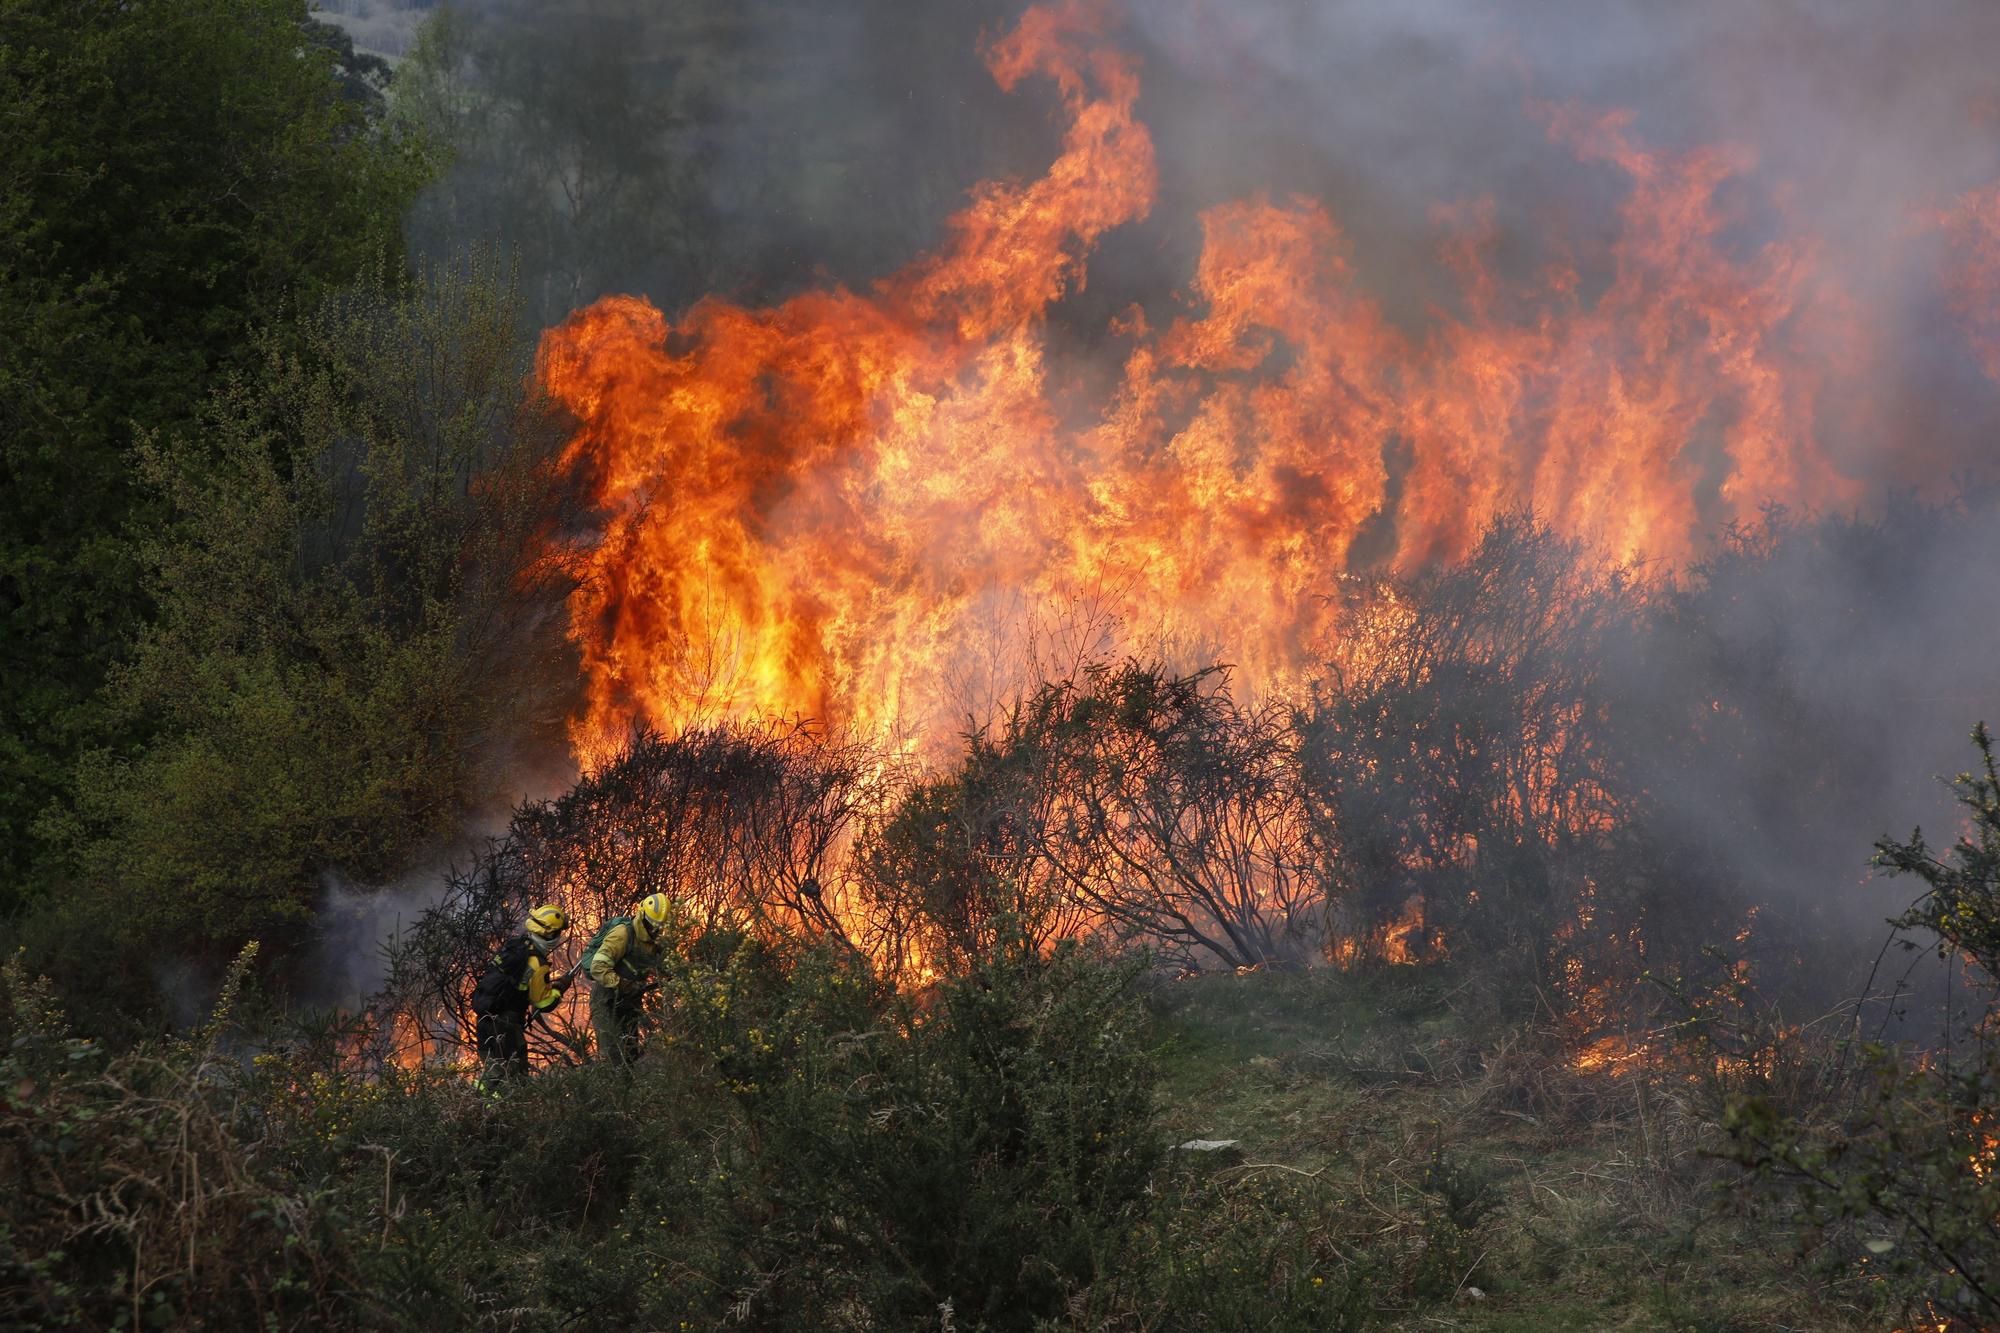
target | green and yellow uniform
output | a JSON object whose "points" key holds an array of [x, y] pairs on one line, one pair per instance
{"points": [[620, 960]]}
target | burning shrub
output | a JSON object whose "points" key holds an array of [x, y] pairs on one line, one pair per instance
{"points": [[1453, 758], [956, 864], [740, 826], [1163, 810]]}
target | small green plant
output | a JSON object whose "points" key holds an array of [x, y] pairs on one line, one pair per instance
{"points": [[1911, 1170]]}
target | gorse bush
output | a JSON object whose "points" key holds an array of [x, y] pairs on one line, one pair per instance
{"points": [[979, 1150], [952, 868], [802, 1148], [1460, 780], [1169, 814], [1960, 905]]}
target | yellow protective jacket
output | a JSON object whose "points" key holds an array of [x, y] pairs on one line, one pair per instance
{"points": [[517, 982], [542, 991], [621, 956]]}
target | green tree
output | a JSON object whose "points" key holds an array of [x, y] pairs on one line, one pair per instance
{"points": [[358, 615], [170, 174]]}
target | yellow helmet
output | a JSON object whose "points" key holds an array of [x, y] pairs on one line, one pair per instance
{"points": [[547, 920], [651, 918]]}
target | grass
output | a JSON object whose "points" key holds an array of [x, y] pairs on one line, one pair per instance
{"points": [[1584, 1200]]}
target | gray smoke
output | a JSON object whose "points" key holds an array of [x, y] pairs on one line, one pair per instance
{"points": [[1858, 120], [746, 149], [750, 149], [383, 27], [357, 923]]}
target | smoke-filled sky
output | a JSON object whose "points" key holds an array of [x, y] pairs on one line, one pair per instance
{"points": [[1853, 124], [754, 148]]}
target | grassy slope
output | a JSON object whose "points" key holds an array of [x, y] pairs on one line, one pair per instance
{"points": [[1587, 1201]]}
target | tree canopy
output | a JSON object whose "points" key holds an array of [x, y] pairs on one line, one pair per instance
{"points": [[171, 176]]}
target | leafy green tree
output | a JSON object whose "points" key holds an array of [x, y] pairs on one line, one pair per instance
{"points": [[170, 174], [566, 146], [358, 616]]}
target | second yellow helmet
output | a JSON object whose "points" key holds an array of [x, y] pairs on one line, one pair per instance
{"points": [[653, 914]]}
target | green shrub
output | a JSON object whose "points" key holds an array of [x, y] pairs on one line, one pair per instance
{"points": [[1907, 1174], [981, 1149]]}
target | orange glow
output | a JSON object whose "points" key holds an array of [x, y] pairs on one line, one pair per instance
{"points": [[1610, 1054], [1405, 940], [407, 1045], [1971, 229], [1985, 1159]]}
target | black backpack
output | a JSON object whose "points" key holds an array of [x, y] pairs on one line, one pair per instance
{"points": [[504, 987]]}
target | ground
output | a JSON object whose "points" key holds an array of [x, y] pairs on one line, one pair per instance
{"points": [[1572, 1200]]}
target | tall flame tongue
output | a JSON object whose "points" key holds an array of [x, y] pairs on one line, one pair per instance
{"points": [[842, 507]]}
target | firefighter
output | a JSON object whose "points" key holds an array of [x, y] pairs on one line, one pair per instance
{"points": [[517, 984], [622, 960]]}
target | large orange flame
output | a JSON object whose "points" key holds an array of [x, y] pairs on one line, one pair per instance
{"points": [[851, 506]]}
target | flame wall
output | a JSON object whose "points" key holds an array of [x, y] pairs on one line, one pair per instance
{"points": [[872, 506]]}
